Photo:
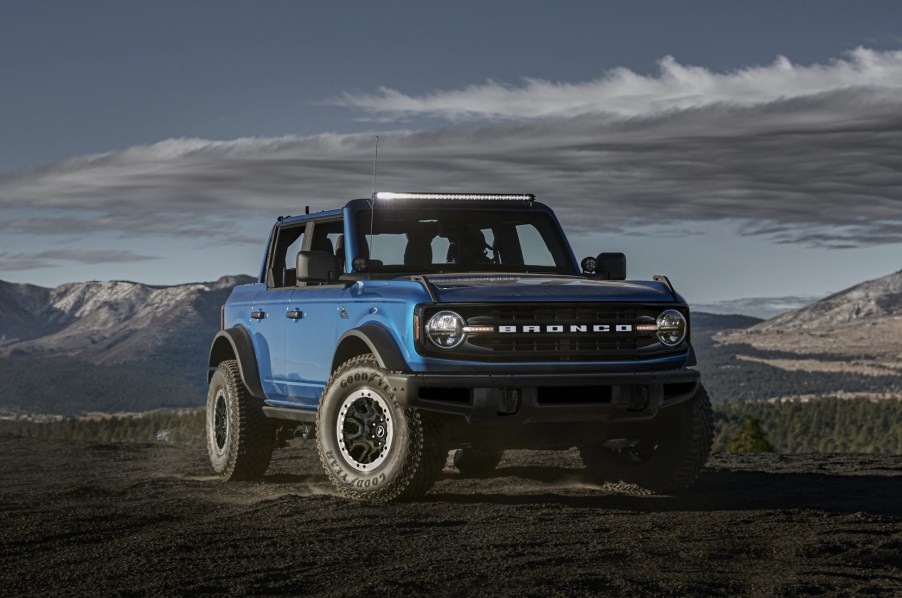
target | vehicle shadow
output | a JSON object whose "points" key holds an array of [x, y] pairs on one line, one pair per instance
{"points": [[716, 490]]}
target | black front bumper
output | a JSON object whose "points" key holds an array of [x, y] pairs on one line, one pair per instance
{"points": [[545, 397]]}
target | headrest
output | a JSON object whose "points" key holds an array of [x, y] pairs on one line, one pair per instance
{"points": [[322, 244], [418, 251]]}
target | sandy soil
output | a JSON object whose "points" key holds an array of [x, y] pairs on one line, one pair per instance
{"points": [[81, 519]]}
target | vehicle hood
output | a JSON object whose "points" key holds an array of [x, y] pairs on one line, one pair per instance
{"points": [[468, 288]]}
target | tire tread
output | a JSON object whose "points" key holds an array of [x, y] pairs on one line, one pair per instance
{"points": [[425, 458], [252, 441]]}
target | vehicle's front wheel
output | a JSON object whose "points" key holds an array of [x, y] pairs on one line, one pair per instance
{"points": [[240, 437], [667, 454], [370, 447]]}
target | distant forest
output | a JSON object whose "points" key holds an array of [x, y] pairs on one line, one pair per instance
{"points": [[827, 425]]}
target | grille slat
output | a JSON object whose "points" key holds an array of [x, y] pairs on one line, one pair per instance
{"points": [[569, 315]]}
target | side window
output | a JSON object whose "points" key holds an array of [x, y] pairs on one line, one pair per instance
{"points": [[440, 249], [281, 271], [535, 250], [292, 251]]}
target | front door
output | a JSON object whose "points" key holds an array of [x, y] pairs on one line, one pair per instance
{"points": [[310, 339]]}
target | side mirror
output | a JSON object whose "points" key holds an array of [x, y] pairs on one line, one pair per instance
{"points": [[316, 266], [609, 266]]}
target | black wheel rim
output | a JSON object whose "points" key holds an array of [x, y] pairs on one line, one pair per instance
{"points": [[220, 422], [365, 429]]}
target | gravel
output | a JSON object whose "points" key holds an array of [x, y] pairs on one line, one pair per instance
{"points": [[142, 519]]}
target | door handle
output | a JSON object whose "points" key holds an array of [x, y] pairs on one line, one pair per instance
{"points": [[258, 314], [294, 314]]}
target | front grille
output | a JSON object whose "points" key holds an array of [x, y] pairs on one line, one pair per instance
{"points": [[568, 345], [563, 344]]}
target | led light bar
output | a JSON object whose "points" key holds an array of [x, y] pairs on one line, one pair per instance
{"points": [[390, 195], [477, 329]]}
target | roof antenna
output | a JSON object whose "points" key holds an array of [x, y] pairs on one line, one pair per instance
{"points": [[373, 199], [375, 162]]}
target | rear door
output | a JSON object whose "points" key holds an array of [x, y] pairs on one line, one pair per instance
{"points": [[268, 322]]}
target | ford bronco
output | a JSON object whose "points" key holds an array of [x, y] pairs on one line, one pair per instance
{"points": [[403, 326]]}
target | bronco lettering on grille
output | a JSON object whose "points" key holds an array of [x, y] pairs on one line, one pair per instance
{"points": [[560, 328]]}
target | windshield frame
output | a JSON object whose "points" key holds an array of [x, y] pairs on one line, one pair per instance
{"points": [[540, 217]]}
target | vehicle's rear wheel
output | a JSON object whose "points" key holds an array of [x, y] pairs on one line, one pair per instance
{"points": [[370, 447], [667, 454], [476, 463], [240, 437]]}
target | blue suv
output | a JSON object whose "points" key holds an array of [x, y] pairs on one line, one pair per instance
{"points": [[406, 325]]}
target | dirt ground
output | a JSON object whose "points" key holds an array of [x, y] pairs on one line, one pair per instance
{"points": [[125, 519]]}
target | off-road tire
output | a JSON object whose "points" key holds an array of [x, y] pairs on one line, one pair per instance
{"points": [[476, 463], [677, 444], [412, 459], [242, 450]]}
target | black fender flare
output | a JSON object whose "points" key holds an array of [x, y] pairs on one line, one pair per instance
{"points": [[235, 343], [378, 340]]}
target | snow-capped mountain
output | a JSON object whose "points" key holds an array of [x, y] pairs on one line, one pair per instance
{"points": [[108, 322]]}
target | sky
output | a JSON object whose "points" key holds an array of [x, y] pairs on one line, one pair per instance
{"points": [[744, 149]]}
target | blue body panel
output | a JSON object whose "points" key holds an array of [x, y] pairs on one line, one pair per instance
{"points": [[309, 342]]}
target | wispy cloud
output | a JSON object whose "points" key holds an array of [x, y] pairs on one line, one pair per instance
{"points": [[799, 154], [51, 258], [624, 93]]}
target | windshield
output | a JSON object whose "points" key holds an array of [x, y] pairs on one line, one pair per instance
{"points": [[420, 241]]}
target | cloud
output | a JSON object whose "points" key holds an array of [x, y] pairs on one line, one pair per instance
{"points": [[129, 221], [51, 258], [625, 94], [810, 157], [87, 256]]}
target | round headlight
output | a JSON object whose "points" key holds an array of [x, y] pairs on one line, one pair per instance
{"points": [[671, 327], [445, 329]]}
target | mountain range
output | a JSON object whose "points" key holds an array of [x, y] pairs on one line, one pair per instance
{"points": [[108, 322], [106, 346], [126, 346]]}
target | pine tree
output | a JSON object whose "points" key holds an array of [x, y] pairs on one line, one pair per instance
{"points": [[750, 438]]}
